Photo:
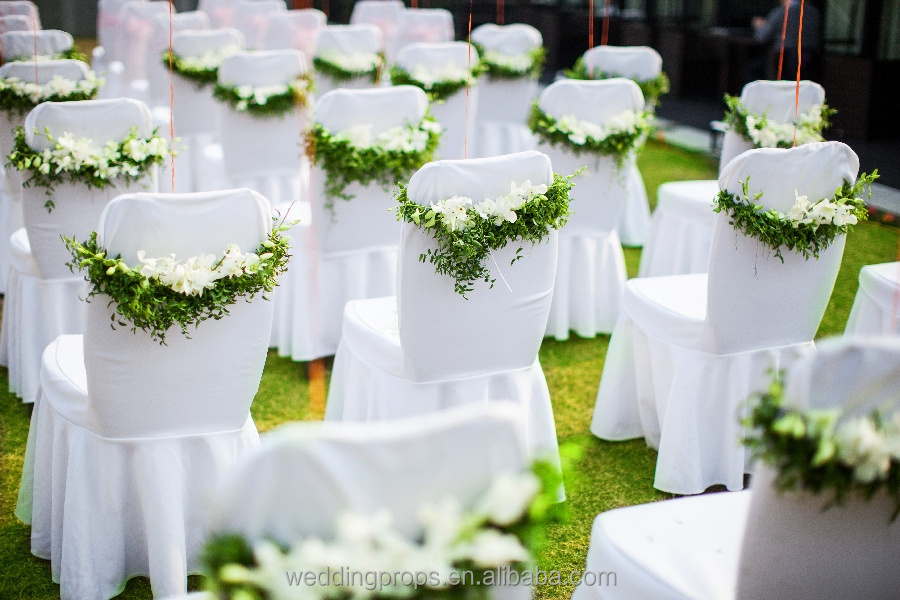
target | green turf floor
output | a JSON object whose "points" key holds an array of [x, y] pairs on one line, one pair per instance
{"points": [[609, 474]]}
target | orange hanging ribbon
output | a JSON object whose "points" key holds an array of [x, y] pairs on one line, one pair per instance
{"points": [[604, 36]]}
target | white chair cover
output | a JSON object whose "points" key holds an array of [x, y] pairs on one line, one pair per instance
{"points": [[43, 297], [422, 25], [220, 12], [348, 253], [133, 35], [25, 45], [107, 26], [764, 544], [252, 19], [876, 308], [11, 217], [680, 230], [160, 27], [383, 14], [689, 349], [108, 420], [24, 8], [590, 276], [17, 23], [458, 112], [396, 359], [297, 30], [347, 40], [504, 105]]}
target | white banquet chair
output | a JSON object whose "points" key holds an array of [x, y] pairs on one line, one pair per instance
{"points": [[44, 298], [383, 14], [428, 348], [876, 307], [132, 44], [16, 23], [156, 71], [107, 27], [252, 19], [26, 45], [350, 250], [457, 113], [680, 230], [350, 41], [504, 104], [23, 8], [688, 349], [297, 30], [220, 12], [762, 543], [421, 25], [590, 275], [150, 425]]}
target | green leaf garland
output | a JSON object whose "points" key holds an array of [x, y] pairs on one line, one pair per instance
{"points": [[497, 65], [203, 70], [330, 67], [763, 133], [18, 97], [437, 91], [266, 102], [652, 89]]}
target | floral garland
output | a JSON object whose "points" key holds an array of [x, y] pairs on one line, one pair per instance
{"points": [[762, 132], [345, 67], [162, 292], [201, 70], [809, 227], [511, 66], [820, 452], [438, 84], [267, 101], [502, 531], [79, 160], [466, 232], [651, 88], [355, 155], [619, 136], [67, 54], [19, 97]]}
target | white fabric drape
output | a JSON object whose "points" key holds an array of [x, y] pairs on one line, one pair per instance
{"points": [[27, 44], [875, 308], [16, 23], [156, 71], [252, 19], [295, 29], [24, 8], [422, 25]]}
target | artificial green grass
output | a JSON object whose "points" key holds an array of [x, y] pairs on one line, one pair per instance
{"points": [[609, 475]]}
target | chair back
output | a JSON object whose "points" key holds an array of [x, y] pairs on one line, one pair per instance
{"points": [[446, 336], [501, 99], [77, 207], [200, 384], [347, 40], [306, 474], [252, 19], [633, 62], [775, 99], [384, 14], [457, 113], [157, 72], [297, 30], [756, 300], [16, 23], [24, 8], [220, 12], [25, 45], [793, 547], [599, 194], [107, 25], [428, 25], [365, 221], [133, 34], [256, 147]]}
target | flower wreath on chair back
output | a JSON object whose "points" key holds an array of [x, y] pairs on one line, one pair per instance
{"points": [[156, 70], [350, 251], [43, 43], [767, 542], [297, 30], [429, 348], [44, 298], [356, 53], [590, 276], [680, 231], [149, 425], [504, 101], [688, 349]]}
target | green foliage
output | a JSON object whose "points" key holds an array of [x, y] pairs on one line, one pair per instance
{"points": [[617, 144], [339, 74], [462, 253], [439, 91], [145, 303], [15, 101], [70, 53], [776, 231], [199, 76], [651, 88], [495, 70], [245, 99], [741, 121]]}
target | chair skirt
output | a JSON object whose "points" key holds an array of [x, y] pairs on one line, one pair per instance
{"points": [[634, 220]]}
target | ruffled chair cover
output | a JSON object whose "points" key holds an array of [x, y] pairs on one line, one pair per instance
{"points": [[263, 153], [252, 19], [761, 543], [157, 72], [383, 14], [428, 348], [17, 23], [680, 231], [347, 40], [297, 30], [25, 45], [590, 276], [43, 297], [457, 113], [422, 25], [503, 104], [687, 350], [11, 217], [132, 43], [876, 308], [24, 8], [150, 426], [350, 252]]}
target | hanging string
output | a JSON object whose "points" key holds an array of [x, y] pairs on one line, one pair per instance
{"points": [[604, 36], [783, 33], [499, 12], [468, 81], [591, 24], [415, 3], [799, 64], [171, 99]]}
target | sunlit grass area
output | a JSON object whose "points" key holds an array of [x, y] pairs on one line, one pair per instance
{"points": [[608, 475]]}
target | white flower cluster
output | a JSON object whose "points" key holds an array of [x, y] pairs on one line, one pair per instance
{"points": [[198, 273], [71, 155], [449, 73], [456, 213], [208, 60], [353, 63], [259, 95], [520, 63], [824, 212], [766, 133], [57, 86], [580, 132], [402, 138], [367, 544]]}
